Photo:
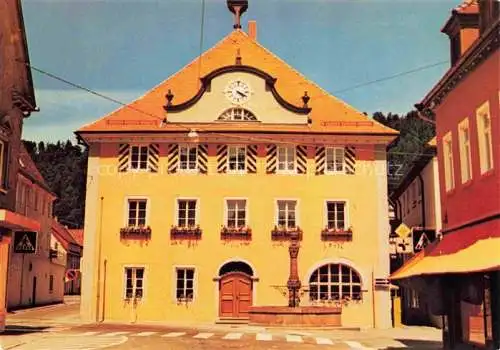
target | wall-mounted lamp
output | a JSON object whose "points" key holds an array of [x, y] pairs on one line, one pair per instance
{"points": [[192, 134]]}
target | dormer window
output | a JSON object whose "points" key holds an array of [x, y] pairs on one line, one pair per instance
{"points": [[237, 114]]}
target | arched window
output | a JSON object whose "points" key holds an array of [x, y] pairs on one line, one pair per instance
{"points": [[335, 282], [237, 113]]}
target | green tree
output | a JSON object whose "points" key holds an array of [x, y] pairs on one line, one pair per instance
{"points": [[63, 166]]}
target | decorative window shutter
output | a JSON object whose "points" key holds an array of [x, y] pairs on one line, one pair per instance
{"points": [[271, 159], [222, 158], [123, 157], [320, 160], [301, 152], [350, 160], [173, 158], [203, 158], [251, 159], [153, 157]]}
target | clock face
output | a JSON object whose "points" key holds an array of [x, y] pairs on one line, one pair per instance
{"points": [[237, 92]]}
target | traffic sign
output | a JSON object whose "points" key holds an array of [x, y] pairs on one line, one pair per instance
{"points": [[403, 230], [71, 275], [25, 242], [422, 237]]}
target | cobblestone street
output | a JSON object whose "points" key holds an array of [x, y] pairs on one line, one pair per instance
{"points": [[57, 328]]}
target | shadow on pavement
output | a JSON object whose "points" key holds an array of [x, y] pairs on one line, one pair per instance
{"points": [[419, 344], [21, 330]]}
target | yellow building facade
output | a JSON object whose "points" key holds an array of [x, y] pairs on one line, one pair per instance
{"points": [[193, 191]]}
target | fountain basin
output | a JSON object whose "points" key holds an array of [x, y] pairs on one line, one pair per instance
{"points": [[305, 316]]}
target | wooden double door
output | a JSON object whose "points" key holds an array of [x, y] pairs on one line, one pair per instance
{"points": [[235, 295]]}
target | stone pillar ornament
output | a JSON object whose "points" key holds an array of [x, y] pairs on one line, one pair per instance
{"points": [[237, 7], [293, 283]]}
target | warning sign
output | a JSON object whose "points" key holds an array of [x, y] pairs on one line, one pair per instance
{"points": [[25, 242], [421, 238]]}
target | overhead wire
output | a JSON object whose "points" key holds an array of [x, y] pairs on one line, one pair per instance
{"points": [[186, 128]]}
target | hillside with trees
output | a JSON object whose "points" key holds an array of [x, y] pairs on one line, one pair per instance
{"points": [[64, 164], [414, 135], [64, 167]]}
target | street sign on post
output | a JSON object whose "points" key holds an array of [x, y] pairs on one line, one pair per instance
{"points": [[403, 230], [25, 242]]}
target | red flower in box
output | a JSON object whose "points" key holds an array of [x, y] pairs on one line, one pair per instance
{"points": [[240, 232], [284, 233], [336, 234], [135, 232], [185, 232]]}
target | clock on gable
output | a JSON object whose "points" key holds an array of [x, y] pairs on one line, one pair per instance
{"points": [[237, 91]]}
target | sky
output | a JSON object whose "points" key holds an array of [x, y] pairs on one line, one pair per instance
{"points": [[123, 48]]}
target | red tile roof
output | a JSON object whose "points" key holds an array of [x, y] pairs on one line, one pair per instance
{"points": [[468, 6], [63, 235], [77, 236], [328, 114]]}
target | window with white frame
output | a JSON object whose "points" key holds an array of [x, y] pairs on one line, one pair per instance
{"points": [[237, 114], [287, 213], [236, 158], [236, 213], [335, 282], [449, 177], [134, 282], [139, 157], [336, 215], [335, 160], [465, 157], [186, 212], [188, 158], [137, 212], [286, 159], [484, 138], [184, 290]]}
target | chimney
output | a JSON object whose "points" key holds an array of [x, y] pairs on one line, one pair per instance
{"points": [[462, 28], [252, 30]]}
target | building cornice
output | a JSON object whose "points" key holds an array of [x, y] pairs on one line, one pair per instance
{"points": [[254, 137], [483, 48]]}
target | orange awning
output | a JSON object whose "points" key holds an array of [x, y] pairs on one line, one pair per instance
{"points": [[483, 255], [17, 222]]}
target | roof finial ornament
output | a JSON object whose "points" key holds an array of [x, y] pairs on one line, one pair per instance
{"points": [[170, 97], [238, 57], [305, 99], [237, 7]]}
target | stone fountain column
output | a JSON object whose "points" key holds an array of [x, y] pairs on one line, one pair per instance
{"points": [[293, 283]]}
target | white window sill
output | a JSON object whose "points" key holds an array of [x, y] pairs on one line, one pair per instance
{"points": [[188, 171], [286, 172], [335, 172]]}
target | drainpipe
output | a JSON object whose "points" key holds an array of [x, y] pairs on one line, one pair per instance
{"points": [[422, 194], [104, 291], [99, 249]]}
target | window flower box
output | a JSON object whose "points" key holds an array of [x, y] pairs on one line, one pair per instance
{"points": [[135, 232], [282, 233], [243, 233], [335, 234], [185, 232]]}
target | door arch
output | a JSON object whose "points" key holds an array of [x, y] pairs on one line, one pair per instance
{"points": [[235, 290]]}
